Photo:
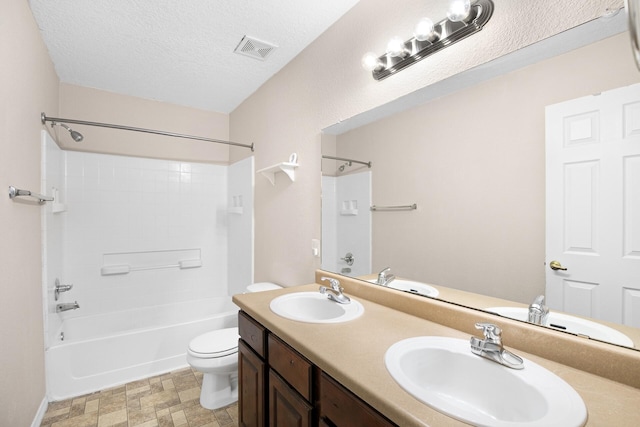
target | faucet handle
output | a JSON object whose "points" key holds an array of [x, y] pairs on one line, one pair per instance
{"points": [[384, 272], [538, 312], [491, 332], [335, 283]]}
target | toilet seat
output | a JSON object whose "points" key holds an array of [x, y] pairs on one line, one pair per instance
{"points": [[215, 344]]}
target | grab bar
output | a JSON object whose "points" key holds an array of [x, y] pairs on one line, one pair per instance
{"points": [[395, 208], [15, 192]]}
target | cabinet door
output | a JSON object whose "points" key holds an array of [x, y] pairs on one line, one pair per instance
{"points": [[251, 382], [291, 366], [286, 407], [341, 408]]}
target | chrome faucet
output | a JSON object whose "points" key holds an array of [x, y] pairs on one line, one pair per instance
{"points": [[335, 293], [538, 312], [385, 277], [66, 306], [491, 347]]}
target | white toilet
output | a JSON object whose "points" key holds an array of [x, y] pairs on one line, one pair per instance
{"points": [[215, 354]]}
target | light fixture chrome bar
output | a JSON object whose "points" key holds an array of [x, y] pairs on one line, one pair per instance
{"points": [[447, 32], [368, 164], [633, 13], [44, 119], [15, 192], [395, 208]]}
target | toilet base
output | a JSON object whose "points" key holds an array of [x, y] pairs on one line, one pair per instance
{"points": [[218, 390]]}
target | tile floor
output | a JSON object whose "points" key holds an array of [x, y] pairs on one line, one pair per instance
{"points": [[169, 400]]}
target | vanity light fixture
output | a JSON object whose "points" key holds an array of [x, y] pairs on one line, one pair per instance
{"points": [[463, 19]]}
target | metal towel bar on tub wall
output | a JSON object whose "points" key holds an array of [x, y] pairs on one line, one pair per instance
{"points": [[15, 192]]}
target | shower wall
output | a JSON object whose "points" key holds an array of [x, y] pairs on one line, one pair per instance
{"points": [[144, 215], [346, 223], [52, 173]]}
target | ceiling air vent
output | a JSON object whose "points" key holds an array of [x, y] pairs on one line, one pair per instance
{"points": [[254, 48]]}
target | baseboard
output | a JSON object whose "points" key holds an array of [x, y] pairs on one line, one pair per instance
{"points": [[41, 411]]}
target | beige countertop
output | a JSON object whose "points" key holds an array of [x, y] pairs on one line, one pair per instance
{"points": [[482, 302], [353, 353]]}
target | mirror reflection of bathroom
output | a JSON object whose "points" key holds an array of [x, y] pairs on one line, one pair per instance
{"points": [[346, 214], [550, 210]]}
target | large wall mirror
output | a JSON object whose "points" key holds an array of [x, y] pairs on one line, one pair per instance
{"points": [[472, 160]]}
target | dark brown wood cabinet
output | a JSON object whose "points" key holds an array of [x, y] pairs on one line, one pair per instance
{"points": [[339, 407], [286, 407], [252, 372], [252, 380], [281, 388]]}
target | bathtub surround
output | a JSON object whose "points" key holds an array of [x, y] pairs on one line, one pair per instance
{"points": [[148, 215], [166, 400], [240, 249], [146, 244]]}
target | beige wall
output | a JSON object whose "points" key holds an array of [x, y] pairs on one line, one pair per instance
{"points": [[94, 105], [28, 86], [325, 84], [474, 163]]}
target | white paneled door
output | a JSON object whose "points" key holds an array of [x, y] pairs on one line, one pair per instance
{"points": [[593, 206]]}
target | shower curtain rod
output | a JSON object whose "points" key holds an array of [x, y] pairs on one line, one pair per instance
{"points": [[44, 119], [368, 164]]}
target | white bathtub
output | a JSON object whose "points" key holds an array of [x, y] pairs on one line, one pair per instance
{"points": [[107, 350]]}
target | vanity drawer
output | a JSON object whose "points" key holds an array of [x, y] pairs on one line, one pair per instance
{"points": [[253, 333], [291, 366], [341, 408]]}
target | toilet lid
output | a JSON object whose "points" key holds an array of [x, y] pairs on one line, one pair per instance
{"points": [[219, 343]]}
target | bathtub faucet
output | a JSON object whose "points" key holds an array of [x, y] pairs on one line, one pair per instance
{"points": [[66, 306]]}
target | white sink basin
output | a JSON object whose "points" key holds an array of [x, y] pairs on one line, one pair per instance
{"points": [[443, 373], [412, 286], [313, 307], [565, 322]]}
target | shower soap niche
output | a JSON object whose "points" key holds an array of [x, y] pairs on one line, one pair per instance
{"points": [[289, 168], [349, 208], [56, 206]]}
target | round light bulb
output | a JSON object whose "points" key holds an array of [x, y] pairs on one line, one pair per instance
{"points": [[424, 29], [459, 10], [371, 62], [395, 47]]}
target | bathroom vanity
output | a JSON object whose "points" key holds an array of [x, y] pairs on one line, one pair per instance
{"points": [[280, 387], [308, 374]]}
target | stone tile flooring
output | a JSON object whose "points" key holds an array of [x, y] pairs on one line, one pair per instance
{"points": [[169, 400]]}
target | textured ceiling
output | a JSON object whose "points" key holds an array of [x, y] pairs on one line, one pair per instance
{"points": [[179, 52]]}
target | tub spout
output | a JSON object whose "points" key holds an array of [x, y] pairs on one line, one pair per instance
{"points": [[66, 306]]}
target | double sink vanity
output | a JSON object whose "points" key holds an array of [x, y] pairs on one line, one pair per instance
{"points": [[374, 356]]}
